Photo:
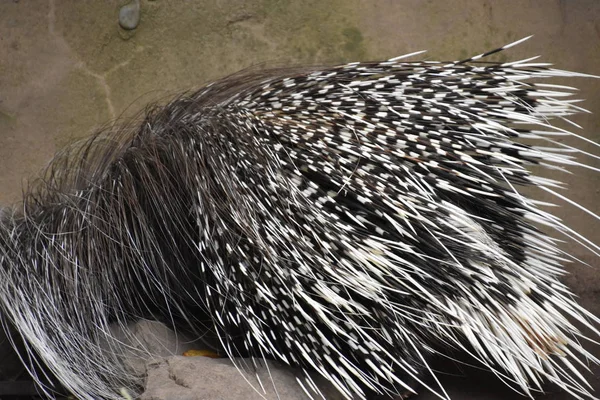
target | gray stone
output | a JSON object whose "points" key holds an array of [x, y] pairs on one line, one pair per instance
{"points": [[129, 15], [150, 339], [154, 352], [203, 378]]}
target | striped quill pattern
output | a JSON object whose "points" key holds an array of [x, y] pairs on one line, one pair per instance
{"points": [[352, 220]]}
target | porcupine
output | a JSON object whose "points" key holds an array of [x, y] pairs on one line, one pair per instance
{"points": [[350, 220]]}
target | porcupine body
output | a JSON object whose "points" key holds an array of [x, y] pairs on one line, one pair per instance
{"points": [[349, 220]]}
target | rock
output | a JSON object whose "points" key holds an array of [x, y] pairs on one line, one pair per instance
{"points": [[152, 350], [202, 378], [143, 339], [129, 15]]}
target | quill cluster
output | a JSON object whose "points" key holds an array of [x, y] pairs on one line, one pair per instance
{"points": [[351, 220]]}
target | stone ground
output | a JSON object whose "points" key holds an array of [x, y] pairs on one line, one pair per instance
{"points": [[67, 67]]}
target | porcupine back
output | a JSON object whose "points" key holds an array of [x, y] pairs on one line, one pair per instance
{"points": [[351, 220]]}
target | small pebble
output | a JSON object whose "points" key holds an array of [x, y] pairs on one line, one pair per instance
{"points": [[129, 15]]}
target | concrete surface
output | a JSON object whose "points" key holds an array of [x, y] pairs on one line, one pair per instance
{"points": [[67, 67]]}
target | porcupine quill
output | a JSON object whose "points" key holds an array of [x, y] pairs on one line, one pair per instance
{"points": [[351, 221]]}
